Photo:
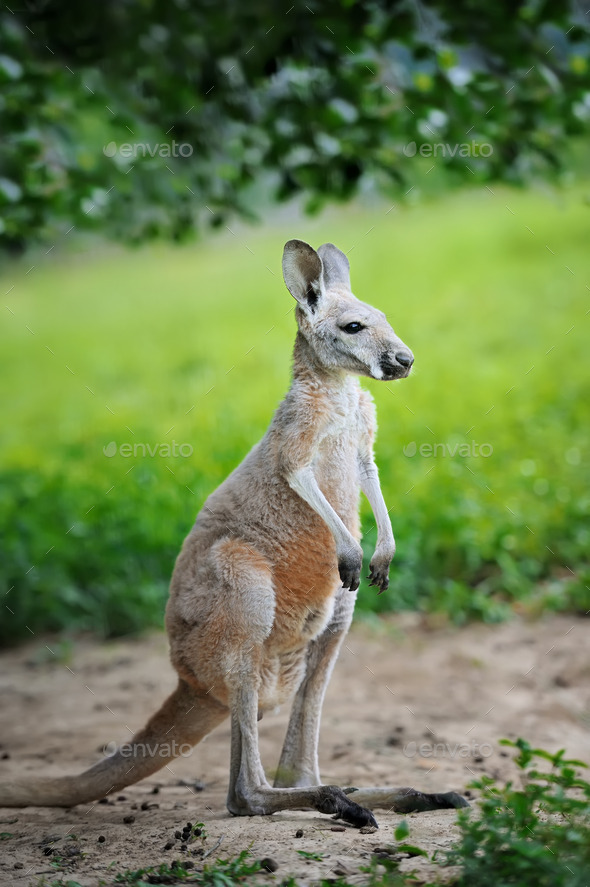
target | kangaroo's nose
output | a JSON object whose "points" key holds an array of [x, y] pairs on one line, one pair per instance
{"points": [[404, 358]]}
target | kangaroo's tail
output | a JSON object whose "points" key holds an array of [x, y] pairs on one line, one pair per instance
{"points": [[183, 720]]}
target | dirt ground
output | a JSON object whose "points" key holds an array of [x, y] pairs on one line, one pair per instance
{"points": [[409, 704]]}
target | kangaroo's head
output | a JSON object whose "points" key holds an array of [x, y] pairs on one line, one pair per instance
{"points": [[343, 332]]}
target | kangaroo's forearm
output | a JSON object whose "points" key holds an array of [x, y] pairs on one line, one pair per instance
{"points": [[371, 487], [304, 483]]}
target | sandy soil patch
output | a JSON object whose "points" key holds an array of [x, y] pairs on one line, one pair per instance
{"points": [[408, 705]]}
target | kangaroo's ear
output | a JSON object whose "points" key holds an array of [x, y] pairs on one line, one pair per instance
{"points": [[302, 271], [336, 266]]}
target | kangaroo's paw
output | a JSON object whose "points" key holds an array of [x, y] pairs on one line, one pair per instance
{"points": [[379, 576]]}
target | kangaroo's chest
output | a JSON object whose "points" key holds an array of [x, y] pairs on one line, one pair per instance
{"points": [[336, 470]]}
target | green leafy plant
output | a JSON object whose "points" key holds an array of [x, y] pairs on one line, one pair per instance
{"points": [[311, 854], [536, 835], [402, 832], [226, 872], [221, 873], [164, 873]]}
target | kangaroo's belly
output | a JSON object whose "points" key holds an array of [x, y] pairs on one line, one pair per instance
{"points": [[285, 652], [280, 676], [286, 649]]}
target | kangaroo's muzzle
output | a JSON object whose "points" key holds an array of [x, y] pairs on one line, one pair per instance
{"points": [[396, 365]]}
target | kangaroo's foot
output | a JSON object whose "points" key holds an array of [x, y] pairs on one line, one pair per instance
{"points": [[405, 800], [329, 799]]}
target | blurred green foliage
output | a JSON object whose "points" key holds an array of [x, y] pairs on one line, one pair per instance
{"points": [[144, 118], [483, 451]]}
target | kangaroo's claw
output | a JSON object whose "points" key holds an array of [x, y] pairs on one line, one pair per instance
{"points": [[334, 800], [379, 578]]}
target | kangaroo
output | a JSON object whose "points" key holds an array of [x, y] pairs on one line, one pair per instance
{"points": [[264, 587]]}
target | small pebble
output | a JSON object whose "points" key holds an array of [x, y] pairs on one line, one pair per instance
{"points": [[269, 864], [194, 784], [337, 828]]}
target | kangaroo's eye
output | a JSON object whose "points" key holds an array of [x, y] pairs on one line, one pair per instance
{"points": [[353, 327]]}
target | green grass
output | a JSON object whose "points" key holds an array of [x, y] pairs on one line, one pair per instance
{"points": [[491, 291]]}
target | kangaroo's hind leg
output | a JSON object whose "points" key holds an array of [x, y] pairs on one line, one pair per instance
{"points": [[298, 765], [250, 793], [244, 623], [299, 759]]}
